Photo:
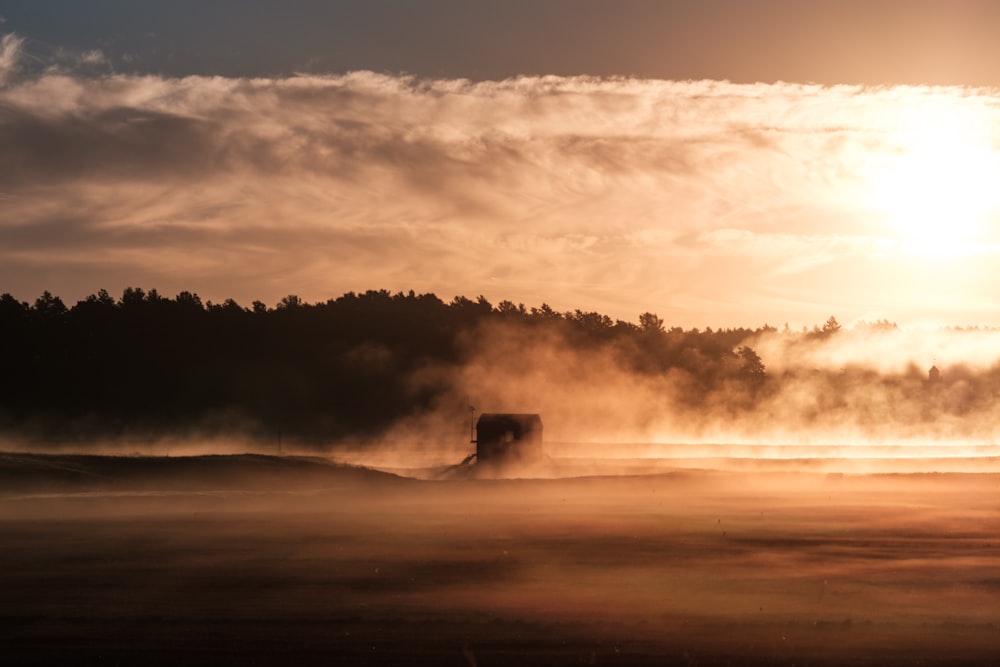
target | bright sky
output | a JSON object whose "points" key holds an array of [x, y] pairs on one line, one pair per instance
{"points": [[718, 163]]}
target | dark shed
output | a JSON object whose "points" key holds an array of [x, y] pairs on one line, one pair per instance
{"points": [[508, 437]]}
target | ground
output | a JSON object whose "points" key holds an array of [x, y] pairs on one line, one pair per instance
{"points": [[267, 561]]}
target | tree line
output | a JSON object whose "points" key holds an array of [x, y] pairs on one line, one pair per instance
{"points": [[148, 364]]}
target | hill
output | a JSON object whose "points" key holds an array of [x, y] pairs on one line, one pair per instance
{"points": [[64, 473]]}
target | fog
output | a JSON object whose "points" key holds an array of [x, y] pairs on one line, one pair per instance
{"points": [[840, 509], [858, 400], [855, 400]]}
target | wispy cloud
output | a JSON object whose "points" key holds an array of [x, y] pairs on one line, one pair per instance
{"points": [[699, 200], [10, 49]]}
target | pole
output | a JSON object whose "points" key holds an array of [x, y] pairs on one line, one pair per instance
{"points": [[472, 422]]}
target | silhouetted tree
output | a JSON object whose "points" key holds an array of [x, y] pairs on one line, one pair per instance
{"points": [[649, 322], [752, 368], [545, 312], [49, 307], [189, 301], [290, 301], [133, 297]]}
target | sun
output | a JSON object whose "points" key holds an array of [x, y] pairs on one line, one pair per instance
{"points": [[938, 190]]}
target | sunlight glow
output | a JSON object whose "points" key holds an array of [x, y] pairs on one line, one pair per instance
{"points": [[937, 190]]}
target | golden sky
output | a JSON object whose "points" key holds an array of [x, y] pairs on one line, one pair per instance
{"points": [[706, 201]]}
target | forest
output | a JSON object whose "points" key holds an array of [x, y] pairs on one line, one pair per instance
{"points": [[350, 368], [146, 363]]}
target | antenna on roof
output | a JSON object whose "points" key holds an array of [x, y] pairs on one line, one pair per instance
{"points": [[472, 421]]}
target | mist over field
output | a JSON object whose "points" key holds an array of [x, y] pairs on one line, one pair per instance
{"points": [[155, 375], [867, 384], [230, 483], [223, 560]]}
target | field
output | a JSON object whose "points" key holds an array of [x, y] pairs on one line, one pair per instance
{"points": [[226, 560]]}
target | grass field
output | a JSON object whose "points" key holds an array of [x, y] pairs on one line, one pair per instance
{"points": [[266, 560]]}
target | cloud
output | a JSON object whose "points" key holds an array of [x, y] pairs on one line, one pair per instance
{"points": [[93, 57], [699, 199], [10, 51]]}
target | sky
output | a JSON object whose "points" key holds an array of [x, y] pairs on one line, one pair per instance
{"points": [[719, 163]]}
